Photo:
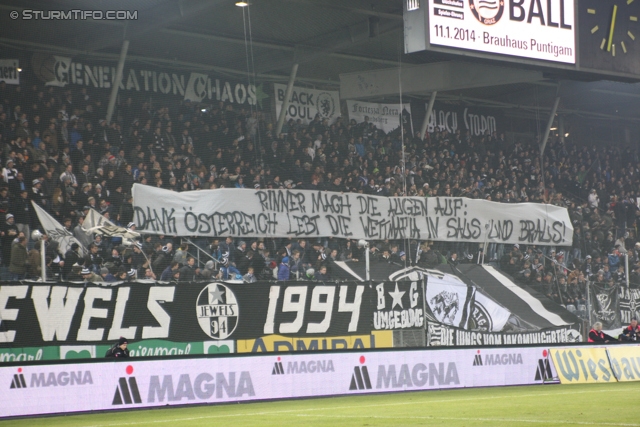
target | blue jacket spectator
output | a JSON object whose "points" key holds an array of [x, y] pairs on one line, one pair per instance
{"points": [[283, 269]]}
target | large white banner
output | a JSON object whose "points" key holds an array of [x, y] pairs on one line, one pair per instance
{"points": [[306, 213], [127, 384], [9, 71], [522, 28], [383, 116], [306, 103]]}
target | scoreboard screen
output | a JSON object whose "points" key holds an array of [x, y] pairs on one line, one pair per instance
{"points": [[534, 29], [597, 37]]}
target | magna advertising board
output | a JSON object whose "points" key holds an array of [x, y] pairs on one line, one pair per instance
{"points": [[116, 385]]}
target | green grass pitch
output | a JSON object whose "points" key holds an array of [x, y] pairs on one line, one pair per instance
{"points": [[550, 405]]}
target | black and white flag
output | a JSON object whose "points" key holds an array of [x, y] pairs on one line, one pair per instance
{"points": [[449, 300], [605, 307], [56, 231]]}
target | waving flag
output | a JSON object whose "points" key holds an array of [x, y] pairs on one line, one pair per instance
{"points": [[56, 231]]}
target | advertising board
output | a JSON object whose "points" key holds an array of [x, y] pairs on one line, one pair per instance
{"points": [[126, 384]]}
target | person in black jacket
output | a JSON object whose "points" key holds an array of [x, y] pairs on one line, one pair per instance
{"points": [[126, 210], [162, 258], [120, 350], [70, 258], [631, 333], [22, 210], [8, 233], [189, 271]]}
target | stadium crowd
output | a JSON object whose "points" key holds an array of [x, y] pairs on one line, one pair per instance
{"points": [[59, 151]]}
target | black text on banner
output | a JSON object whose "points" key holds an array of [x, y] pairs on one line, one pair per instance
{"points": [[306, 213]]}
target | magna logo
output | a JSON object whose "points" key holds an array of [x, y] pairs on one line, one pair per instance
{"points": [[360, 379], [202, 387], [127, 391], [543, 371], [303, 367], [18, 380], [277, 368], [497, 359], [217, 311], [405, 376], [52, 379]]}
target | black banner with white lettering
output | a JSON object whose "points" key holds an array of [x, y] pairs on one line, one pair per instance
{"points": [[449, 336], [137, 77], [476, 120], [629, 300], [33, 315]]}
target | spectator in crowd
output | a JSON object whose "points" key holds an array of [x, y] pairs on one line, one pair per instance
{"points": [[120, 349], [321, 274], [149, 274], [283, 269], [189, 271], [90, 277], [168, 272], [209, 271], [179, 146], [106, 275], [631, 333], [228, 271], [250, 276], [19, 258], [8, 232]]}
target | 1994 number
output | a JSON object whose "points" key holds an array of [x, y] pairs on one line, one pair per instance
{"points": [[322, 300]]}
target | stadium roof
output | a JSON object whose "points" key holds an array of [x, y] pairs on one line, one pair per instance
{"points": [[326, 37]]}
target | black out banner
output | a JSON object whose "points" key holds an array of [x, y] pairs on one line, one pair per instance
{"points": [[605, 306], [70, 314]]}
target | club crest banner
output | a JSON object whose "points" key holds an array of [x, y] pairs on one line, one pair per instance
{"points": [[305, 104]]}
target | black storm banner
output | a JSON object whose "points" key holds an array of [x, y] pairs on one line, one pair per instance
{"points": [[71, 314]]}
